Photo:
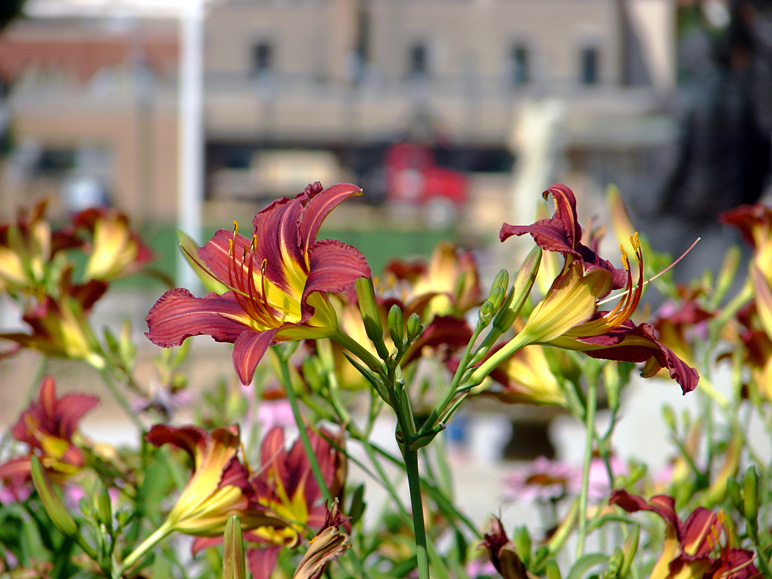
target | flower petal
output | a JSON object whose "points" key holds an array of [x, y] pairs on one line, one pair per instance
{"points": [[319, 206], [562, 233], [178, 315], [248, 350], [335, 267]]}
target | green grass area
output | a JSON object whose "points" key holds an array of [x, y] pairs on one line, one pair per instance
{"points": [[378, 246]]}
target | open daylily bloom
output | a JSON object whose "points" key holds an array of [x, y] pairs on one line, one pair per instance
{"points": [[60, 325], [284, 485], [449, 284], [27, 251], [116, 250], [277, 280], [526, 378], [218, 488], [755, 225], [219, 485], [693, 549], [49, 427], [568, 316]]}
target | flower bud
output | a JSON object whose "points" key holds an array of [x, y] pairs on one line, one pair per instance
{"points": [[233, 562], [669, 417], [552, 570], [51, 501], [499, 286], [104, 508], [396, 326], [414, 327], [751, 497], [371, 317], [485, 315], [521, 289], [614, 565], [735, 495]]}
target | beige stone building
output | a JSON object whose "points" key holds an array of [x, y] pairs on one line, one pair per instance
{"points": [[326, 74]]}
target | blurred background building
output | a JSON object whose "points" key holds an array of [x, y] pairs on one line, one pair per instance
{"points": [[296, 90]]}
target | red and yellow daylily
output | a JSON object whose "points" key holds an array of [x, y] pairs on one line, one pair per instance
{"points": [[284, 486], [48, 427], [218, 487], [277, 282], [28, 248], [526, 378], [693, 549], [59, 325], [568, 316], [447, 285], [116, 250]]}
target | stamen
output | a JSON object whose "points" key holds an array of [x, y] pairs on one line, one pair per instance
{"points": [[664, 271]]}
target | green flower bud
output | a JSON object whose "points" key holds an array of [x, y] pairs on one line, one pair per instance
{"points": [[751, 497], [735, 495], [371, 317], [104, 508], [485, 315], [396, 326], [414, 327], [614, 564], [233, 562], [499, 288], [51, 501], [521, 289], [629, 549], [552, 570]]}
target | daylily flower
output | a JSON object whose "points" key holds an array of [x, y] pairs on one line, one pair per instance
{"points": [[48, 427], [27, 251], [60, 324], [526, 378], [219, 485], [116, 250], [568, 316], [448, 285], [284, 485], [277, 282], [755, 225], [693, 549]]}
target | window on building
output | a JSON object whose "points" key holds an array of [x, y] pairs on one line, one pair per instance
{"points": [[520, 65], [590, 65], [262, 58], [418, 61]]}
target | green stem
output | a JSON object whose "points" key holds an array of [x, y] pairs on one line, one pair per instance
{"points": [[589, 425], [439, 410], [416, 504], [358, 350], [158, 535], [312, 460]]}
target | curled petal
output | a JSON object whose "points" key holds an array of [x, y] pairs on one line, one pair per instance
{"points": [[562, 234], [335, 267]]}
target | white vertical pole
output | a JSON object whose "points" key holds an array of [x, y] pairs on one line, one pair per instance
{"points": [[190, 135]]}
